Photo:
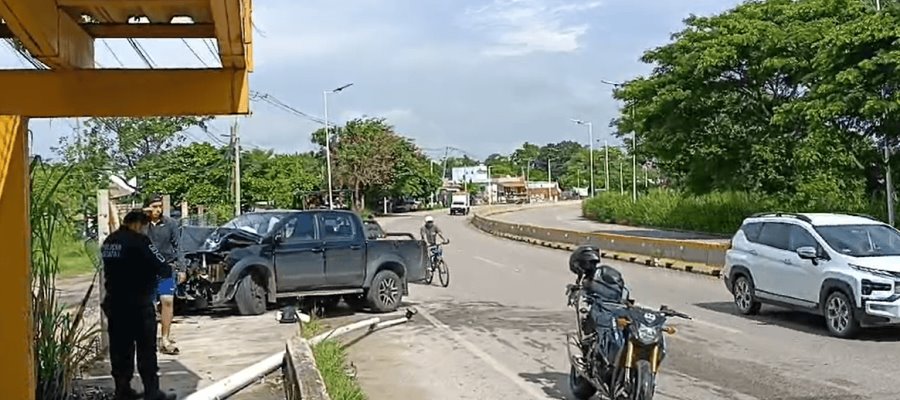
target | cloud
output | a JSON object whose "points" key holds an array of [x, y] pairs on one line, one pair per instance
{"points": [[520, 27], [442, 72]]}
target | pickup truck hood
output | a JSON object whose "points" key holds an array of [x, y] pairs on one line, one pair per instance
{"points": [[220, 236]]}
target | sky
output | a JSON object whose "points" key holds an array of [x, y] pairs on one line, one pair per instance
{"points": [[479, 76]]}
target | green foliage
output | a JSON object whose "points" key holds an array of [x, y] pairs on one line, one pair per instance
{"points": [[62, 339], [331, 359], [779, 97], [372, 160], [715, 212]]}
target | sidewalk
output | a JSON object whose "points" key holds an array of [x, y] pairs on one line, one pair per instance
{"points": [[568, 216]]}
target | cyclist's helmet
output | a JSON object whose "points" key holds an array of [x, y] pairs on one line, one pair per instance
{"points": [[429, 219], [584, 260]]}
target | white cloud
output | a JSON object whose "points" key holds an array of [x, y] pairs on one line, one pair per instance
{"points": [[519, 27]]}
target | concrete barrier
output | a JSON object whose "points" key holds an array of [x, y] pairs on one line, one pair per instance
{"points": [[685, 255], [302, 379]]}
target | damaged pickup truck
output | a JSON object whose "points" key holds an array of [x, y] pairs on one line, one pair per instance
{"points": [[328, 254]]}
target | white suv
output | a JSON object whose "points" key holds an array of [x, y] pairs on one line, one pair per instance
{"points": [[844, 267]]}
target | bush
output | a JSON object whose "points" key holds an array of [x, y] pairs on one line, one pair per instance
{"points": [[715, 213]]}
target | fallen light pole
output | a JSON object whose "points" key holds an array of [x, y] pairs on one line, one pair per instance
{"points": [[234, 383]]}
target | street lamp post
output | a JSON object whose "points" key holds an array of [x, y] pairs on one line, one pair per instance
{"points": [[591, 141], [328, 142], [633, 147]]}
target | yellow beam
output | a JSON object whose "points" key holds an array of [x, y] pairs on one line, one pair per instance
{"points": [[17, 358], [124, 92], [230, 31], [132, 3], [48, 34], [139, 31]]}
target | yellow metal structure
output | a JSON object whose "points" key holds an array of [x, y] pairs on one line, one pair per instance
{"points": [[61, 35]]}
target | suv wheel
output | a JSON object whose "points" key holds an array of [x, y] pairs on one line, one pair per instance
{"points": [[743, 296], [839, 315]]}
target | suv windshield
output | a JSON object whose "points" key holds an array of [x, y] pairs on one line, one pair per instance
{"points": [[256, 223], [862, 240]]}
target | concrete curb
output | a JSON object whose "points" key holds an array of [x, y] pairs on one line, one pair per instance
{"points": [[302, 379], [681, 255]]}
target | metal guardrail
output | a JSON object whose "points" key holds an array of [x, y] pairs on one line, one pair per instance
{"points": [[685, 255]]}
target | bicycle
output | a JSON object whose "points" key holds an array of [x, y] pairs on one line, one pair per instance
{"points": [[436, 262]]}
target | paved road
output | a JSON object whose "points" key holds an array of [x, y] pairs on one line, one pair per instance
{"points": [[497, 332], [568, 216]]}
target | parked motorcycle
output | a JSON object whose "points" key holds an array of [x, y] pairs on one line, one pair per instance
{"points": [[617, 347]]}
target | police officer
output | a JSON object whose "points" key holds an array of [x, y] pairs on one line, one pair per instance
{"points": [[131, 267]]}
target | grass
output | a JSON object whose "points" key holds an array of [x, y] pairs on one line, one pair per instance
{"points": [[73, 257], [331, 358]]}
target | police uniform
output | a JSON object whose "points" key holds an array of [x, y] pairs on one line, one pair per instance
{"points": [[131, 267]]}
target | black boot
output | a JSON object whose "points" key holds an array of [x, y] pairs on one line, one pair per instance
{"points": [[152, 392], [124, 391]]}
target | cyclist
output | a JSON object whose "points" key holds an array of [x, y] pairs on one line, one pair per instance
{"points": [[430, 232]]}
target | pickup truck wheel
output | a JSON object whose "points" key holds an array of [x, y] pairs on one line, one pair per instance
{"points": [[250, 296], [385, 293]]}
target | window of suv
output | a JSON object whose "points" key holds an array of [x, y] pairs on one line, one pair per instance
{"points": [[775, 234], [862, 240], [800, 237], [751, 230]]}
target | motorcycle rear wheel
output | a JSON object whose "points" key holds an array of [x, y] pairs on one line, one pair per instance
{"points": [[644, 381], [580, 387]]}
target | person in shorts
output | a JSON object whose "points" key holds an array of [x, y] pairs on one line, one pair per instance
{"points": [[163, 232]]}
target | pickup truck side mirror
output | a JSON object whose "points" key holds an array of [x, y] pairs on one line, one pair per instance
{"points": [[278, 238]]}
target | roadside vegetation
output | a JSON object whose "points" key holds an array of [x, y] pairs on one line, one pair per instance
{"points": [[773, 105], [331, 359], [714, 213], [64, 341]]}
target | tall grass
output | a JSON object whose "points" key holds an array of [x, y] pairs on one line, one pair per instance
{"points": [[331, 360], [717, 213], [62, 338]]}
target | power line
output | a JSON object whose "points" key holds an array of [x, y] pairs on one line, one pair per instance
{"points": [[141, 52], [194, 52], [272, 100], [211, 47], [116, 56]]}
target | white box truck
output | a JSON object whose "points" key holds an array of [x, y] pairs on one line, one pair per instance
{"points": [[459, 204]]}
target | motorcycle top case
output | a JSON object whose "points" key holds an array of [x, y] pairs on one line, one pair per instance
{"points": [[607, 284]]}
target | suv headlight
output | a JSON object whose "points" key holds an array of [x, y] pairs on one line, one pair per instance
{"points": [[872, 271], [647, 334]]}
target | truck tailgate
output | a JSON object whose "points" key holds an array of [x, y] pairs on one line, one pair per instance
{"points": [[411, 252]]}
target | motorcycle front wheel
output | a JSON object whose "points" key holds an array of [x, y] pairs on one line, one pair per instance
{"points": [[580, 387], [644, 384]]}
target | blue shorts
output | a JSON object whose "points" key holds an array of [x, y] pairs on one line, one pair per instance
{"points": [[166, 287]]}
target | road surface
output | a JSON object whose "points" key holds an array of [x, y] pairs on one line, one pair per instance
{"points": [[568, 216], [498, 333]]}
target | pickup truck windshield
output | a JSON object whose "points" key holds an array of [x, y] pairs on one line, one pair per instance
{"points": [[257, 223]]}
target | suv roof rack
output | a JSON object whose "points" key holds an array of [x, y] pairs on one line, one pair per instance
{"points": [[866, 216], [783, 214]]}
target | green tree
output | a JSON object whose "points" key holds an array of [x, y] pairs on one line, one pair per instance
{"points": [[744, 100]]}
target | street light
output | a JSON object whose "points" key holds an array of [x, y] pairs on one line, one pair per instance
{"points": [[328, 141], [591, 141], [633, 146]]}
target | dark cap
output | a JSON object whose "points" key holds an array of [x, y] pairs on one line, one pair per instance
{"points": [[136, 216], [153, 199]]}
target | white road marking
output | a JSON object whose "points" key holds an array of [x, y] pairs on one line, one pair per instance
{"points": [[493, 363], [485, 260], [715, 326]]}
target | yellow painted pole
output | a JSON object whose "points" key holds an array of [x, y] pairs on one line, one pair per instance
{"points": [[17, 379]]}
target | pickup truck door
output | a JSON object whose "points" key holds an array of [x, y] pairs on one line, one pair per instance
{"points": [[300, 255], [345, 249]]}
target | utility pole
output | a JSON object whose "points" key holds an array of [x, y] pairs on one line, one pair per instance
{"points": [[549, 182], [236, 143], [621, 177], [888, 179], [633, 158], [606, 161]]}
